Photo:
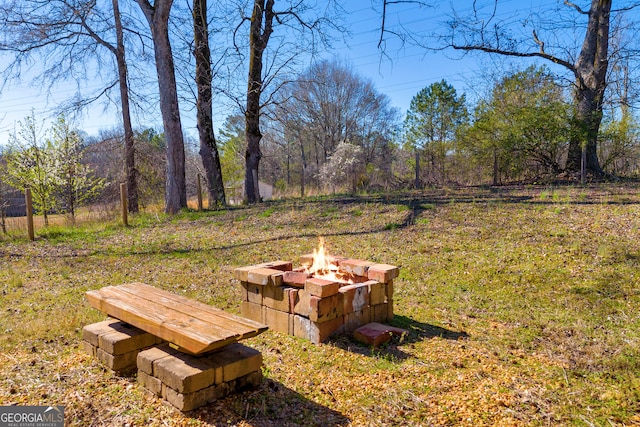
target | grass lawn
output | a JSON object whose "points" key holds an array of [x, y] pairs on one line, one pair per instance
{"points": [[523, 306]]}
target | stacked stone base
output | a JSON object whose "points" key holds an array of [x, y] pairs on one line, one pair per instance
{"points": [[116, 344], [188, 382], [292, 302], [185, 381]]}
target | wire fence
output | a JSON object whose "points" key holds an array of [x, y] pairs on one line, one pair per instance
{"points": [[102, 212]]}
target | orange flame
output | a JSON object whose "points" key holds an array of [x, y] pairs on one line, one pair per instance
{"points": [[324, 265], [321, 263]]}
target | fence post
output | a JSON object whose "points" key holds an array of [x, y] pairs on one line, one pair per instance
{"points": [[123, 203], [199, 189], [29, 203]]}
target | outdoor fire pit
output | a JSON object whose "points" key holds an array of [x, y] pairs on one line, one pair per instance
{"points": [[326, 295]]}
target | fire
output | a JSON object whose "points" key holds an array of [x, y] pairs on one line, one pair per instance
{"points": [[325, 267], [321, 263]]}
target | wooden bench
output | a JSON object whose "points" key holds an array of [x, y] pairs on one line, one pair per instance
{"points": [[190, 326]]}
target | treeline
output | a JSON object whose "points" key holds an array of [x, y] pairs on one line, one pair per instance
{"points": [[325, 128], [332, 131]]}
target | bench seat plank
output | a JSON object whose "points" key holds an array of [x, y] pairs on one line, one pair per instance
{"points": [[193, 326], [235, 324]]}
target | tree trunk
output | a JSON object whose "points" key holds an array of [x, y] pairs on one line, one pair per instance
{"points": [[158, 18], [591, 73], [496, 170], [208, 147], [417, 178], [258, 39], [303, 158], [129, 149]]}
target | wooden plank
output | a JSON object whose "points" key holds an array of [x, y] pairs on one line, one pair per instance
{"points": [[187, 332], [246, 328]]}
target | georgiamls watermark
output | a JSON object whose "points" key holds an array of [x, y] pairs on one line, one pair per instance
{"points": [[31, 416]]}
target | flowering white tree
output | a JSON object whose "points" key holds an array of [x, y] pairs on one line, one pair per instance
{"points": [[73, 180], [343, 166], [51, 167], [29, 165]]}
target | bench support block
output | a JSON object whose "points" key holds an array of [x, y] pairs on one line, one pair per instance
{"points": [[116, 344], [188, 382]]}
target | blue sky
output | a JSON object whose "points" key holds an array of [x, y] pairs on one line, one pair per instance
{"points": [[400, 74]]}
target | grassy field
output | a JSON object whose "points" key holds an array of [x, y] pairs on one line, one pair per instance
{"points": [[522, 306]]}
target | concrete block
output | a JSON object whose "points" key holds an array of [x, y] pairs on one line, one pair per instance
{"points": [[249, 381], [146, 358], [121, 364], [126, 340], [189, 401], [154, 385], [88, 348], [91, 333], [185, 373], [236, 361]]}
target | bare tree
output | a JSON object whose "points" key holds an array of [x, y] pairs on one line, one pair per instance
{"points": [[588, 64], [157, 16], [208, 147], [259, 34], [304, 31], [64, 34], [330, 104]]}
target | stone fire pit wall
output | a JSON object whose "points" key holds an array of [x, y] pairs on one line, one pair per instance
{"points": [[291, 301]]}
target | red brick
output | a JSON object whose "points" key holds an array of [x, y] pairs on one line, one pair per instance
{"points": [[354, 320], [302, 303], [242, 273], [252, 311], [324, 309], [313, 331], [377, 292], [356, 297], [321, 287], [295, 278], [383, 272], [355, 266], [279, 321], [276, 297], [375, 333], [252, 292], [278, 265], [318, 309], [265, 276], [389, 290], [379, 312], [293, 298]]}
